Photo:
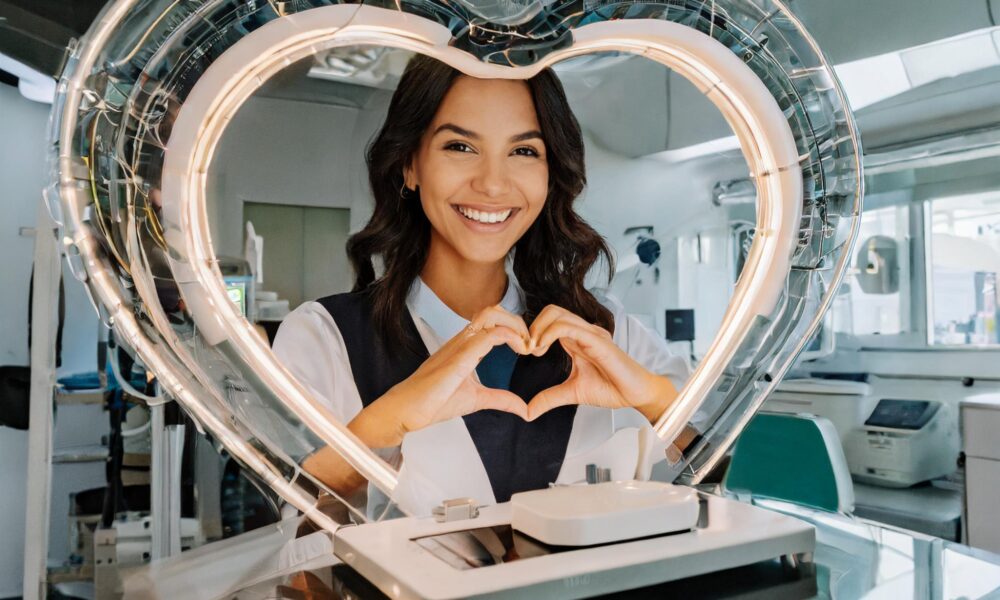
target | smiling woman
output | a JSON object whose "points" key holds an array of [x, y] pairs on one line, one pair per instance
{"points": [[455, 150], [479, 176]]}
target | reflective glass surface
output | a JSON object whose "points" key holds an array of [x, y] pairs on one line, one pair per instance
{"points": [[853, 559]]}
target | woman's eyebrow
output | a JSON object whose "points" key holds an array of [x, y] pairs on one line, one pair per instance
{"points": [[527, 135], [459, 130]]}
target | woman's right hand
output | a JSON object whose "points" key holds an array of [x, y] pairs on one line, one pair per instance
{"points": [[444, 387]]}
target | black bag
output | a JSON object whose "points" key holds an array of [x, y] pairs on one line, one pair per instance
{"points": [[14, 385], [15, 381]]}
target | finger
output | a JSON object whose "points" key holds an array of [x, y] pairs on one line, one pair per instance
{"points": [[493, 399], [551, 315], [511, 337], [572, 347], [546, 400], [468, 352], [460, 341], [582, 360], [585, 366], [475, 347], [497, 315], [618, 370], [586, 335], [545, 318], [487, 339], [454, 344]]}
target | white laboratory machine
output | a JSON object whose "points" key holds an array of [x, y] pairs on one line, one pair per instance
{"points": [[888, 442], [902, 443], [601, 538]]}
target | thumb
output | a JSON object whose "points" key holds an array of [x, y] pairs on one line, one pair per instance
{"points": [[546, 400], [494, 399]]}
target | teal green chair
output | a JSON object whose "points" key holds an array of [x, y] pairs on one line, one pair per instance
{"points": [[793, 458]]}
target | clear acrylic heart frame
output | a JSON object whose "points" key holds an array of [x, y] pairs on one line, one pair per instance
{"points": [[146, 94]]}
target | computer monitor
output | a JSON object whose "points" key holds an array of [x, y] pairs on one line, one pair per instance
{"points": [[240, 291], [679, 325]]}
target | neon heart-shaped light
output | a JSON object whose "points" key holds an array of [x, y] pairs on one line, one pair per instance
{"points": [[139, 115]]}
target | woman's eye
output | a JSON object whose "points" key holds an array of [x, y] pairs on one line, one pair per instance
{"points": [[458, 147], [526, 151]]}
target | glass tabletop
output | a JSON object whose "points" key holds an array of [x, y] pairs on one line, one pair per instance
{"points": [[854, 558]]}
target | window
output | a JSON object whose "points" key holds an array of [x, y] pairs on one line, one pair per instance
{"points": [[874, 298], [963, 267]]}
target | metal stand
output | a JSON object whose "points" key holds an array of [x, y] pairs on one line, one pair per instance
{"points": [[44, 310], [165, 487], [107, 579]]}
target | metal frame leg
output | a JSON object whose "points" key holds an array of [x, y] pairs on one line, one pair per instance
{"points": [[165, 488], [44, 310]]}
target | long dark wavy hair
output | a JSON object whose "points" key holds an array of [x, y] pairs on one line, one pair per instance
{"points": [[551, 259]]}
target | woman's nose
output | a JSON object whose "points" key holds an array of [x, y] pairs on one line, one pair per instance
{"points": [[492, 178]]}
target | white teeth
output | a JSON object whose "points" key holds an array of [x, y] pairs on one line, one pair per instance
{"points": [[485, 217]]}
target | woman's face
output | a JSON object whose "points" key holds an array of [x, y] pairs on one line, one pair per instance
{"points": [[481, 168]]}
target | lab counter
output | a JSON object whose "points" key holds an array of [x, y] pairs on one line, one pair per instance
{"points": [[854, 558]]}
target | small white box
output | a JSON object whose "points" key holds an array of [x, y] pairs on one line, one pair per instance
{"points": [[585, 515]]}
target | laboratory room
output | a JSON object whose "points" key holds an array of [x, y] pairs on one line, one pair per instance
{"points": [[544, 299]]}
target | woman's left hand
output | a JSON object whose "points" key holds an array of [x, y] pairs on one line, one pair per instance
{"points": [[602, 375]]}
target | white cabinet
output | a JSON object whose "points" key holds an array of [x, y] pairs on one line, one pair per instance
{"points": [[981, 443]]}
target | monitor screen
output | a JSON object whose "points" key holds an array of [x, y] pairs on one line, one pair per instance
{"points": [[680, 325], [237, 291], [902, 414]]}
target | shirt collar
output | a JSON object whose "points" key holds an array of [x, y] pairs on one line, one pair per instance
{"points": [[445, 322]]}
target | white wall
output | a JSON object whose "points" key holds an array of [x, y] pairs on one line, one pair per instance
{"points": [[22, 176], [279, 151], [21, 152], [676, 199], [633, 182]]}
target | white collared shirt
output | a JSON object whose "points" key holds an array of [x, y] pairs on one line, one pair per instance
{"points": [[310, 346]]}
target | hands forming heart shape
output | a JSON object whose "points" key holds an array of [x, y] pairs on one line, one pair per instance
{"points": [[602, 374]]}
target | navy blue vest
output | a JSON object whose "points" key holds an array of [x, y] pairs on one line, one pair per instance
{"points": [[518, 455]]}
